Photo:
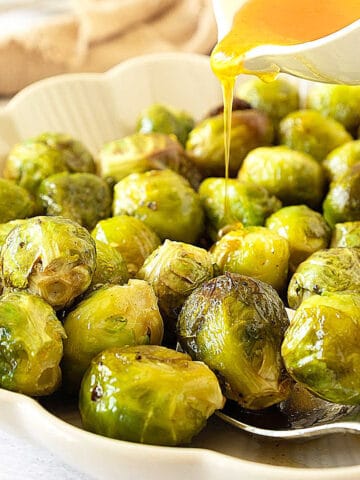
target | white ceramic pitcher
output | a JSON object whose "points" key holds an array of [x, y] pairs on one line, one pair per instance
{"points": [[332, 59]]}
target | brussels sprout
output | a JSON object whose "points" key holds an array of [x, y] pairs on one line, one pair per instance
{"points": [[15, 202], [114, 316], [52, 257], [235, 324], [148, 394], [294, 177], [77, 158], [237, 104], [254, 251], [341, 102], [82, 197], [130, 237], [277, 98], [321, 348], [245, 202], [342, 202], [165, 119], [141, 152], [110, 266], [174, 270], [28, 163], [311, 132], [346, 234], [5, 229], [30, 345], [340, 160], [249, 129], [332, 270], [305, 230], [164, 201]]}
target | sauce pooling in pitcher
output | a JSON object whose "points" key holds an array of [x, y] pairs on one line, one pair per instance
{"points": [[273, 22]]}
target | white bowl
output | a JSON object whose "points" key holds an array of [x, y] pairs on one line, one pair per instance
{"points": [[95, 109]]}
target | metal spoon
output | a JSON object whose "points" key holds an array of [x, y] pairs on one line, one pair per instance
{"points": [[301, 416]]}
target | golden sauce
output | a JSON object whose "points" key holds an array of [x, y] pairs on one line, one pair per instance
{"points": [[273, 22]]}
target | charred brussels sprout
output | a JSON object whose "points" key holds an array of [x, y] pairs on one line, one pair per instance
{"points": [[341, 102], [77, 158], [236, 324], [249, 129], [321, 349], [305, 230], [114, 316], [254, 251], [30, 345], [52, 257], [82, 197], [164, 201], [30, 162], [332, 270], [346, 234], [141, 152], [277, 98], [15, 202], [246, 203], [110, 266], [342, 202], [294, 177], [130, 237], [148, 394], [311, 132], [165, 119], [174, 270], [340, 160]]}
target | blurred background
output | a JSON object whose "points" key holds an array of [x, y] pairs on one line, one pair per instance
{"points": [[41, 38]]}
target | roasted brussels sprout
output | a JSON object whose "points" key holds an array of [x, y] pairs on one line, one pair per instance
{"points": [[346, 234], [110, 266], [245, 202], [52, 257], [277, 98], [5, 229], [332, 270], [311, 132], [28, 163], [130, 237], [256, 252], [305, 230], [341, 102], [148, 394], [249, 129], [113, 316], [294, 177], [82, 197], [30, 345], [77, 158], [340, 160], [235, 324], [321, 348], [164, 201], [342, 202], [15, 202], [165, 119], [139, 153], [174, 270]]}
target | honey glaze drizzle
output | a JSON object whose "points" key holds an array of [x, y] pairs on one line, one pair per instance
{"points": [[272, 22]]}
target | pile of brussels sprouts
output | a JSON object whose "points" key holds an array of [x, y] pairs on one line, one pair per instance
{"points": [[152, 287]]}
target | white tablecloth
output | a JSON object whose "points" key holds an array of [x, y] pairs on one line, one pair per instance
{"points": [[22, 460]]}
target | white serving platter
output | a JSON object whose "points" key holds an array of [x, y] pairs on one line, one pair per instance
{"points": [[96, 108]]}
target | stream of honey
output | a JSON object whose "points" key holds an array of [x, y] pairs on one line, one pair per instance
{"points": [[273, 22]]}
